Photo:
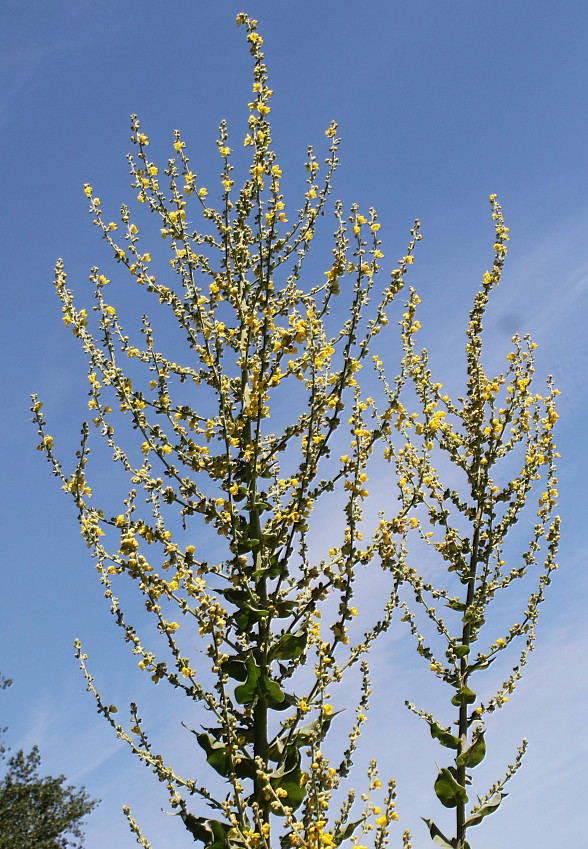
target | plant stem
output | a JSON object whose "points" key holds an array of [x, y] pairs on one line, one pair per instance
{"points": [[460, 813]]}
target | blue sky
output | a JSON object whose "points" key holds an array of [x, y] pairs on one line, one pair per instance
{"points": [[439, 104]]}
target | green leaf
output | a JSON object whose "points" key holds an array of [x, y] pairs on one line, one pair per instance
{"points": [[245, 544], [489, 808], [316, 729], [465, 696], [289, 646], [445, 738], [288, 777], [462, 651], [217, 756], [235, 596], [287, 701], [212, 833], [272, 690], [235, 668], [270, 540], [284, 608], [471, 615], [348, 830], [481, 664], [311, 732], [246, 692], [260, 506], [437, 836], [474, 755], [242, 618], [449, 792]]}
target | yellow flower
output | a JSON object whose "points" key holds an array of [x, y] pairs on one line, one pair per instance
{"points": [[437, 418]]}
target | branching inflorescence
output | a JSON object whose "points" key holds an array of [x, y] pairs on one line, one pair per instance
{"points": [[215, 527], [501, 426], [257, 610]]}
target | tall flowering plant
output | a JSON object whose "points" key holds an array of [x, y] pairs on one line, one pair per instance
{"points": [[236, 438], [493, 445], [256, 341]]}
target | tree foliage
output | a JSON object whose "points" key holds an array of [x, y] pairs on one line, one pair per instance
{"points": [[38, 812], [216, 528]]}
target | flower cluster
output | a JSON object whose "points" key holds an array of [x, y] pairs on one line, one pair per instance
{"points": [[502, 426], [214, 526], [218, 481]]}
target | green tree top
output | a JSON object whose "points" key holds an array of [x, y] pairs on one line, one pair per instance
{"points": [[39, 812]]}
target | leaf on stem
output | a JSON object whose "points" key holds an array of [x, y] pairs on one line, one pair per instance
{"points": [[474, 755], [437, 836], [449, 792], [491, 805]]}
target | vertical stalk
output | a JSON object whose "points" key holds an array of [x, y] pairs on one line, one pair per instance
{"points": [[460, 812], [260, 711]]}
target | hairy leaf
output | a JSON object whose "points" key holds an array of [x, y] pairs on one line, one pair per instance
{"points": [[474, 755], [489, 808], [445, 738], [289, 646], [465, 696], [449, 792], [437, 836]]}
